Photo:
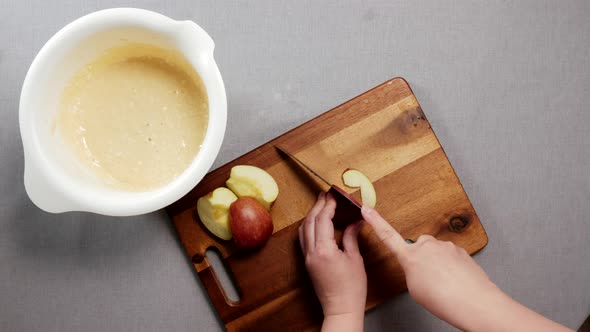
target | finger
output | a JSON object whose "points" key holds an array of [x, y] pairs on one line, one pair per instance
{"points": [[324, 228], [424, 237], [301, 241], [309, 223], [350, 238], [386, 233]]}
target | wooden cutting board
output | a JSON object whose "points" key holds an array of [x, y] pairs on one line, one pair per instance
{"points": [[382, 133]]}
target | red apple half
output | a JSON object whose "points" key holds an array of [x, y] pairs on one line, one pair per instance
{"points": [[250, 223]]}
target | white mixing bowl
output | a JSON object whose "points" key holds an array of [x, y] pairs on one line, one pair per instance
{"points": [[54, 180]]}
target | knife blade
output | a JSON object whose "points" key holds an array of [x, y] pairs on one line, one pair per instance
{"points": [[348, 209]]}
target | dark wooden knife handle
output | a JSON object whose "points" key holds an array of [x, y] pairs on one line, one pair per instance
{"points": [[348, 210]]}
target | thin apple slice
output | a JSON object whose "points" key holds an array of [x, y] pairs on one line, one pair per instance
{"points": [[213, 210], [251, 181], [354, 178]]}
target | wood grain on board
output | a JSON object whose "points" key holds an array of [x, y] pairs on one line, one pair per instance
{"points": [[382, 133]]}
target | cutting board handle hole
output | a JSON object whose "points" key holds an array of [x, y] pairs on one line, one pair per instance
{"points": [[222, 273]]}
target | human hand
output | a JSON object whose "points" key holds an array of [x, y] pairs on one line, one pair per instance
{"points": [[446, 281], [440, 276], [338, 276]]}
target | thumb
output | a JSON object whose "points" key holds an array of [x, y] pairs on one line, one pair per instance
{"points": [[385, 232]]}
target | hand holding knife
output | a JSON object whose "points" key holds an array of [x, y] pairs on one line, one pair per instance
{"points": [[348, 210]]}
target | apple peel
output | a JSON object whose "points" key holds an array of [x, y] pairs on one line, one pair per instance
{"points": [[355, 179], [213, 210]]}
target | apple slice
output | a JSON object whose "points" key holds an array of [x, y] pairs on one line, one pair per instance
{"points": [[354, 178], [251, 181], [213, 210]]}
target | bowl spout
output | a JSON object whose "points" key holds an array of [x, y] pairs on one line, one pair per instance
{"points": [[45, 194]]}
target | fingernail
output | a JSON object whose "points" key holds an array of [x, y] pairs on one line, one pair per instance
{"points": [[366, 209]]}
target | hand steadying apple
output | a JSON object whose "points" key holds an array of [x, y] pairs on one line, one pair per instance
{"points": [[440, 276]]}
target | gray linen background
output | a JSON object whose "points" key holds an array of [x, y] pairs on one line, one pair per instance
{"points": [[505, 85]]}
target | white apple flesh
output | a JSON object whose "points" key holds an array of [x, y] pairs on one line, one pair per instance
{"points": [[251, 181], [355, 179], [213, 210]]}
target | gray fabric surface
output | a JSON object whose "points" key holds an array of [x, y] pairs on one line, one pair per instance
{"points": [[505, 85]]}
